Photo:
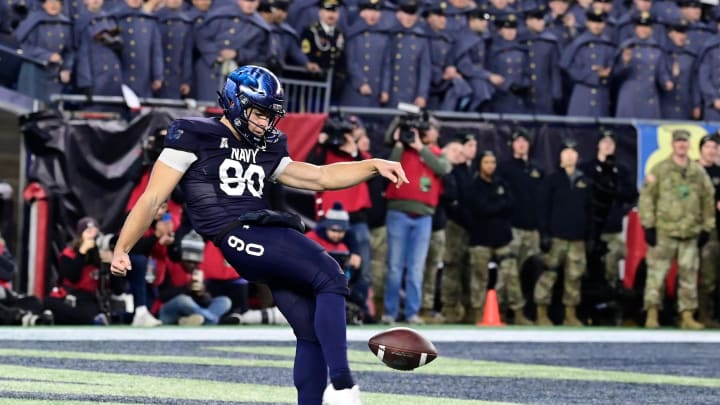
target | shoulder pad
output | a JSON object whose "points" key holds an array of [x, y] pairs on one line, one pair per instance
{"points": [[191, 134]]}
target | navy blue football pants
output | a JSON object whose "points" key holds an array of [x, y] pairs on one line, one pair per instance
{"points": [[309, 289]]}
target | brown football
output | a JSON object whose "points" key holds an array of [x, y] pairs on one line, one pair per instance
{"points": [[402, 348]]}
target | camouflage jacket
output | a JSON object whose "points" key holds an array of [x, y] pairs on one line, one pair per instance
{"points": [[678, 201]]}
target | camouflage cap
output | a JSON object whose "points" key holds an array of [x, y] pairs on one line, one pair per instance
{"points": [[680, 135]]}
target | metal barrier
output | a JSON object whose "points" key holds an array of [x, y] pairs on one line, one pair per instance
{"points": [[303, 95]]}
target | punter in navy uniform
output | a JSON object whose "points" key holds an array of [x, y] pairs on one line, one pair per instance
{"points": [[588, 62], [176, 29], [471, 60], [99, 47], [406, 66], [708, 79], [46, 35], [142, 55], [231, 35], [641, 71], [684, 101], [509, 59], [365, 44], [543, 57], [447, 86], [222, 166]]}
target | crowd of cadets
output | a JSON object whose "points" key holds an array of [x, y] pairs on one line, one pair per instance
{"points": [[635, 59]]}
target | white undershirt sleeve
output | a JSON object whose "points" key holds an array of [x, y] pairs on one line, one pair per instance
{"points": [[179, 160], [280, 168]]}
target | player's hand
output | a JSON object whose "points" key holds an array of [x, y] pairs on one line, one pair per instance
{"points": [[120, 264], [716, 103], [392, 171]]}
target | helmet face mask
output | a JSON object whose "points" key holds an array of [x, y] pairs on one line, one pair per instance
{"points": [[253, 88]]}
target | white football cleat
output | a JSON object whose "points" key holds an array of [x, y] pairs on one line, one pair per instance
{"points": [[348, 396]]}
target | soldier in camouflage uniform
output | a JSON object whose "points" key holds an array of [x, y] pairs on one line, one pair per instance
{"points": [[710, 253], [453, 151], [565, 225], [677, 211], [454, 286], [491, 204]]}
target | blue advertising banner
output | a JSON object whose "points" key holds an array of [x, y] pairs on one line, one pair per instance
{"points": [[655, 143]]}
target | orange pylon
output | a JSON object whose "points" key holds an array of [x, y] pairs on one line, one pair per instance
{"points": [[491, 313]]}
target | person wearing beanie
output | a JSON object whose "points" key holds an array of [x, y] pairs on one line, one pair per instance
{"points": [[565, 223], [677, 212], [330, 233], [524, 179], [456, 185], [710, 253], [491, 205], [613, 196], [181, 288], [74, 301]]}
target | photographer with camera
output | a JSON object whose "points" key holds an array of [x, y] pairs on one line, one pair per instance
{"points": [[338, 142], [411, 208], [76, 300]]}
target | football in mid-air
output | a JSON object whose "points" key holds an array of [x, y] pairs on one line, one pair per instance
{"points": [[402, 348]]}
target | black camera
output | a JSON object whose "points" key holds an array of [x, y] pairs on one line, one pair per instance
{"points": [[336, 126], [106, 241], [414, 118]]}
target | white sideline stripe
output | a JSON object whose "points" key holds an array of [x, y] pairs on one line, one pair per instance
{"points": [[423, 359], [284, 334]]}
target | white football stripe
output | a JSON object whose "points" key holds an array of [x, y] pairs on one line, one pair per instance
{"points": [[381, 352], [423, 359]]}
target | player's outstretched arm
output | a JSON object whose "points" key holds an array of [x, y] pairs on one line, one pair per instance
{"points": [[340, 175], [162, 182]]}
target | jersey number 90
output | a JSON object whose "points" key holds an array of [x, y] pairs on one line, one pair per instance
{"points": [[234, 180]]}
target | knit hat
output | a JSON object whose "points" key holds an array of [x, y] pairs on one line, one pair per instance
{"points": [[85, 223], [337, 218], [192, 247]]}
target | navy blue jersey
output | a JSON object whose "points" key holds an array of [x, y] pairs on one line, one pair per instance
{"points": [[226, 176]]}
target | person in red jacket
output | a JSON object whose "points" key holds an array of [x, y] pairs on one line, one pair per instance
{"points": [[331, 233], [410, 212], [182, 288], [75, 299]]}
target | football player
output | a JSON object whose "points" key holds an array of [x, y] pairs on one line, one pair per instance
{"points": [[222, 165]]}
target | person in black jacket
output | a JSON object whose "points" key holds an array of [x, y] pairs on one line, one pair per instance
{"points": [[454, 291], [491, 206], [565, 225], [524, 178], [613, 195]]}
